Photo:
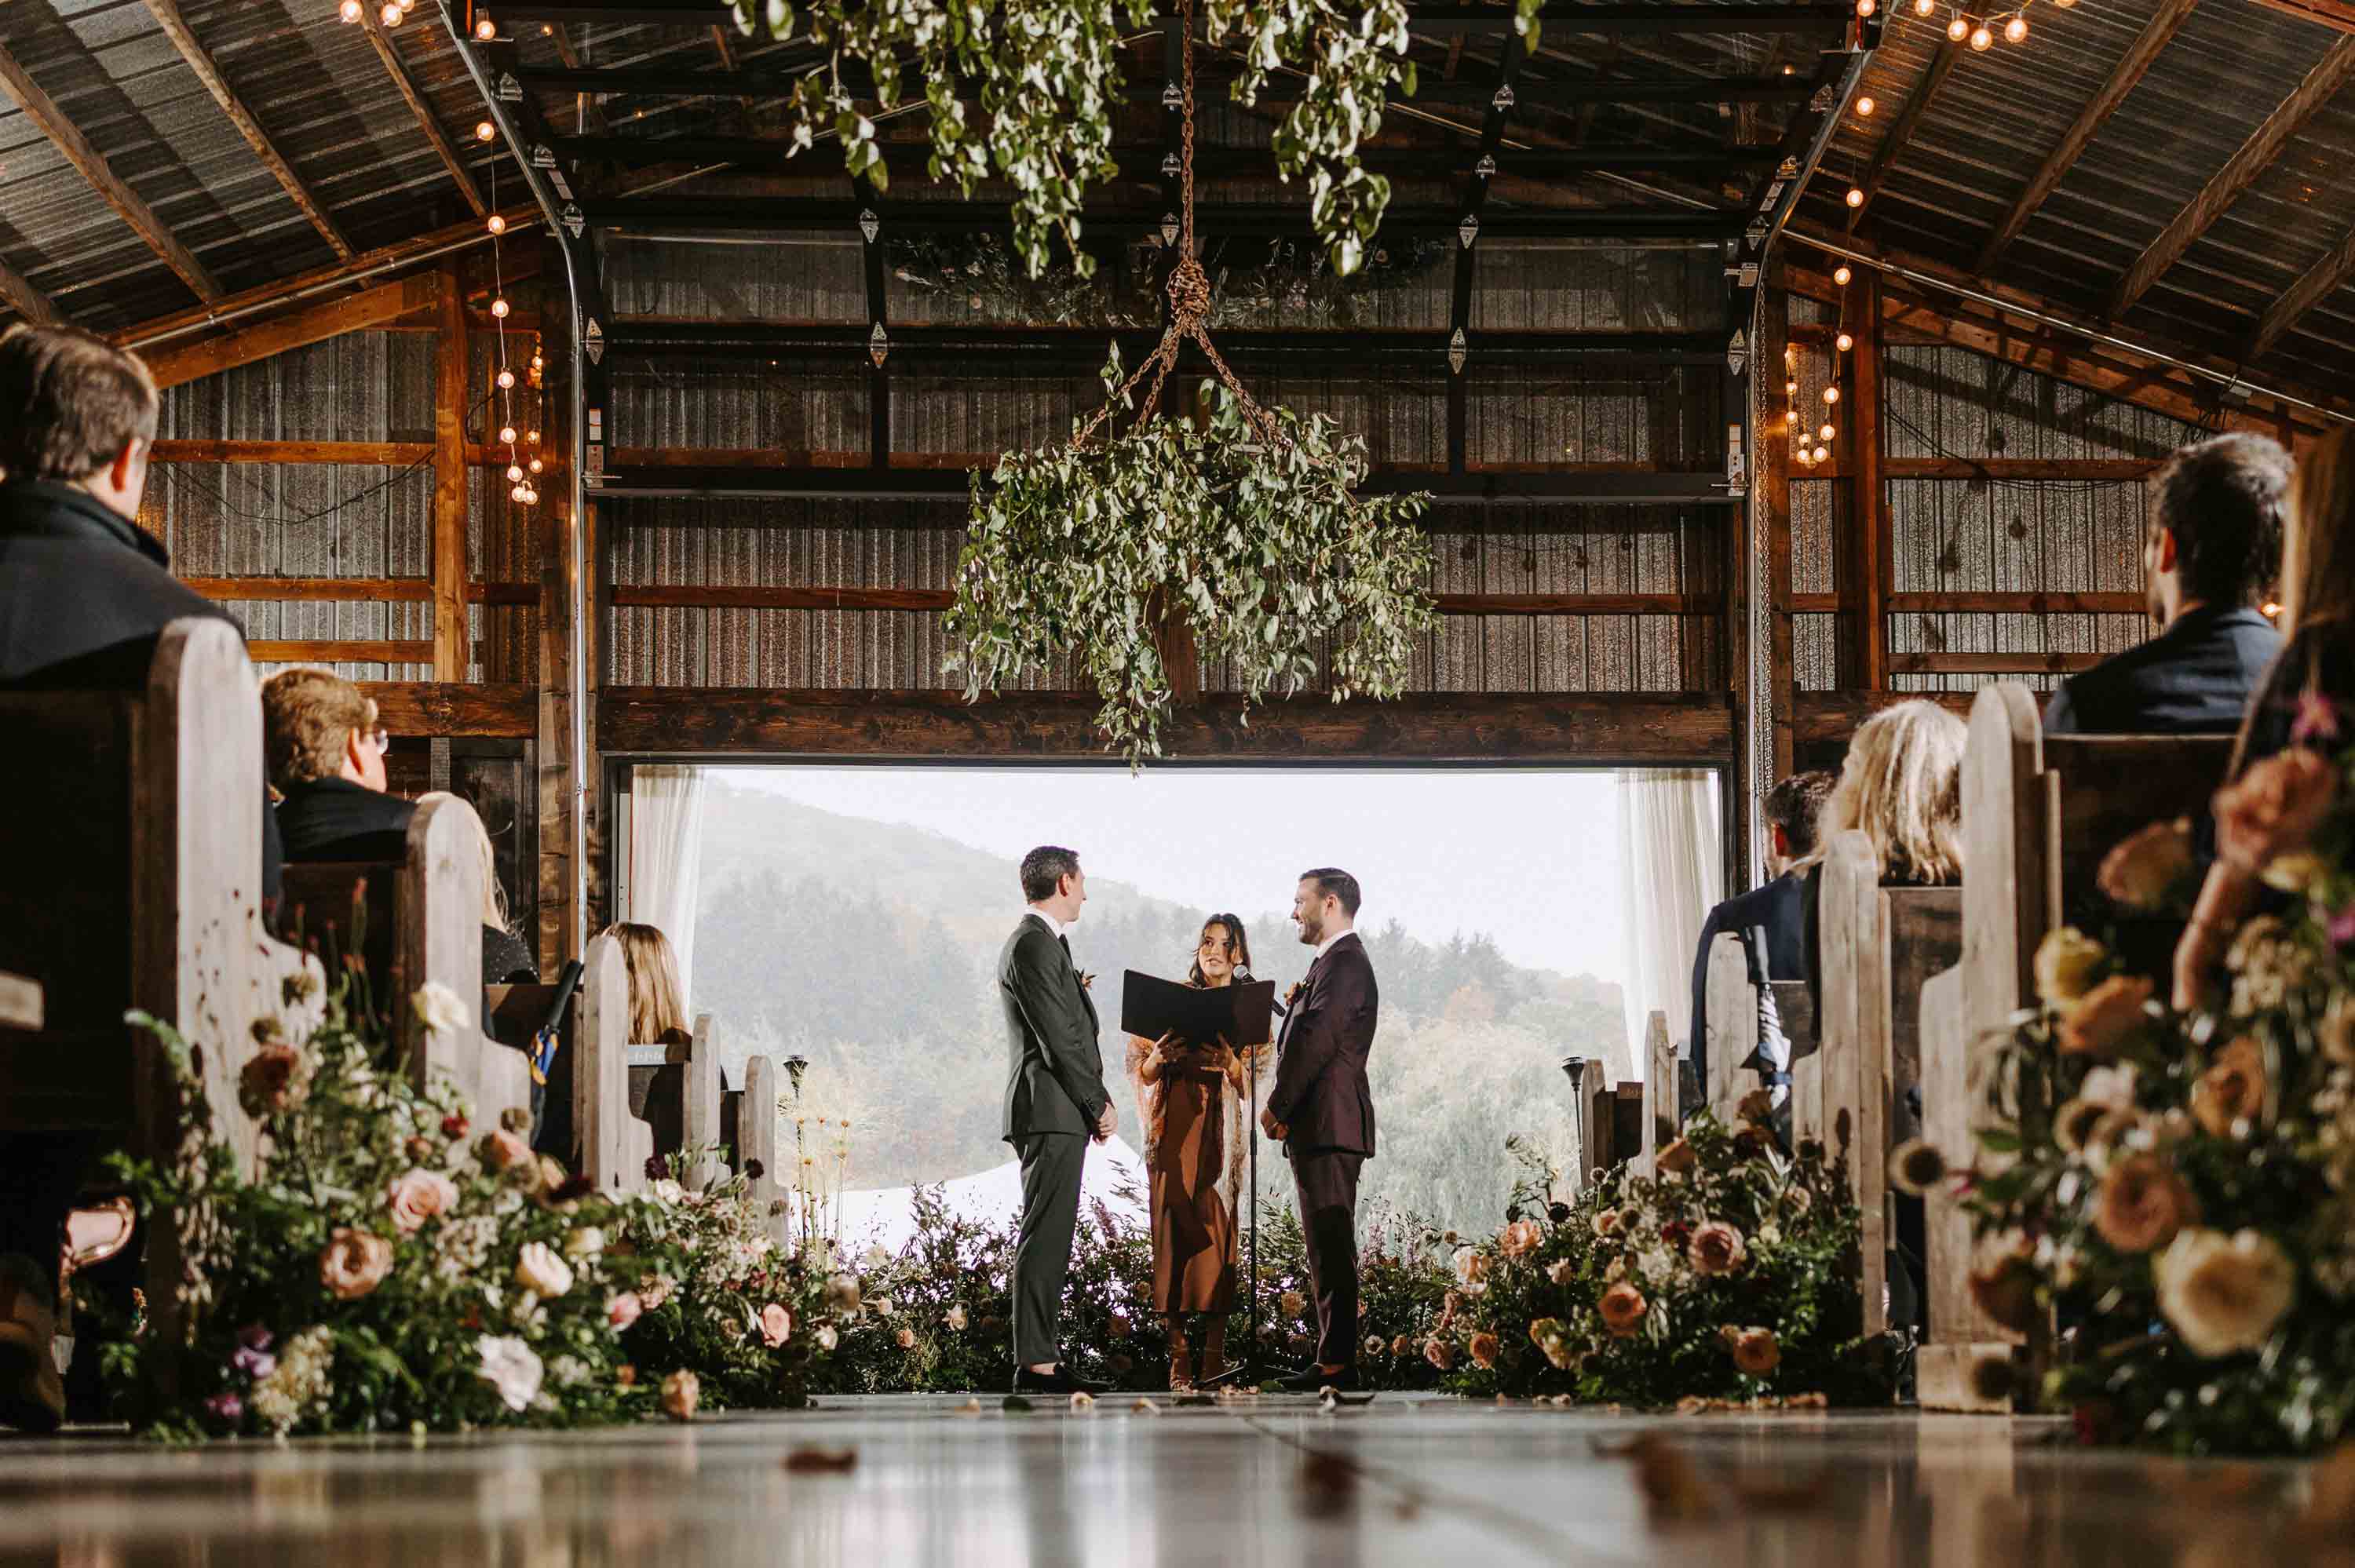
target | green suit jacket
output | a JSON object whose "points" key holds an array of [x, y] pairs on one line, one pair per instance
{"points": [[1054, 1080]]}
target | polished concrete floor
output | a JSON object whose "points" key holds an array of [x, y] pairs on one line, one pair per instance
{"points": [[1403, 1481]]}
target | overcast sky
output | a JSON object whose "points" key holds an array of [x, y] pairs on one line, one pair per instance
{"points": [[1530, 857]]}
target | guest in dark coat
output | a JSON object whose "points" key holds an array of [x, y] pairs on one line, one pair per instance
{"points": [[84, 594], [1777, 910], [325, 751], [1321, 1107], [2209, 555], [2306, 702]]}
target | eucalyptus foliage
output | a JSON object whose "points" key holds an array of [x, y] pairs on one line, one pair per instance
{"points": [[1259, 546], [1047, 76]]}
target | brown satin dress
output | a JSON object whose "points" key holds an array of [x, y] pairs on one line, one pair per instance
{"points": [[1192, 1136]]}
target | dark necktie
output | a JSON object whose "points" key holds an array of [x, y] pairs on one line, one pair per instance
{"points": [[1067, 947]]}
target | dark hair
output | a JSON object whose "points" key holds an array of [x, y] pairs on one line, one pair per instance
{"points": [[1338, 883], [1793, 805], [2222, 500], [68, 402], [1044, 868], [1235, 939]]}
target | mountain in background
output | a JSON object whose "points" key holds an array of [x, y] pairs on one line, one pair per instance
{"points": [[870, 949]]}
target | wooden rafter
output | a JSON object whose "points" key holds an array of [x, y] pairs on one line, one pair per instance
{"points": [[23, 297], [2240, 172], [52, 122], [586, 111], [2337, 14], [2140, 58], [2324, 279], [426, 120], [1900, 130], [175, 28], [330, 318], [725, 48]]}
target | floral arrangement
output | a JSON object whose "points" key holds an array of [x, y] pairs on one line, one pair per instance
{"points": [[1732, 1275], [2174, 1191], [1257, 545], [389, 1264]]}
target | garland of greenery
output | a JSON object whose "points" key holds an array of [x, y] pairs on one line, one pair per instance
{"points": [[1047, 74]]}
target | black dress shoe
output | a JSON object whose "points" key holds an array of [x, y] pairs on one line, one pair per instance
{"points": [[1060, 1381], [1309, 1380]]}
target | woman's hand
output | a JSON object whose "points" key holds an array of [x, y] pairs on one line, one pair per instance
{"points": [[2196, 957], [1167, 1049]]}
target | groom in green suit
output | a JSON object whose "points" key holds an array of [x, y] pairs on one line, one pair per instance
{"points": [[1055, 1102]]}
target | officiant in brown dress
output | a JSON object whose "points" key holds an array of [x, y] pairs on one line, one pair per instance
{"points": [[1190, 1097]]}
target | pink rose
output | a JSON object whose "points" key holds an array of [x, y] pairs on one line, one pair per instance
{"points": [[622, 1310], [1519, 1239], [1484, 1349], [1440, 1354], [1717, 1248], [417, 1196], [2274, 808], [1622, 1308], [354, 1262], [503, 1150], [776, 1325], [905, 1339], [272, 1080], [681, 1393]]}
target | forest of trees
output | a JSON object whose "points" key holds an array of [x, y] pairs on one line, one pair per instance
{"points": [[869, 949]]}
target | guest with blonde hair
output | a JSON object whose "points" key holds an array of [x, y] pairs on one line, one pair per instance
{"points": [[506, 959], [2305, 702], [658, 1009]]}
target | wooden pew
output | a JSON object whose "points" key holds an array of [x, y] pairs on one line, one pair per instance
{"points": [[420, 922], [1878, 946], [2039, 813], [614, 1146], [757, 1123], [130, 870], [1728, 1027], [677, 1092]]}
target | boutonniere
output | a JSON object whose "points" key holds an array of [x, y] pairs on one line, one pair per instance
{"points": [[1295, 994], [1087, 980]]}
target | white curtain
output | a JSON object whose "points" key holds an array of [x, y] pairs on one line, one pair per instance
{"points": [[1672, 865], [665, 855]]}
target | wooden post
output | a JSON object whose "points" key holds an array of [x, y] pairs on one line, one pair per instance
{"points": [[452, 398], [1731, 1027], [553, 745], [1867, 497], [756, 1129], [699, 1117], [1853, 1080], [1660, 1089], [1771, 501], [600, 1074]]}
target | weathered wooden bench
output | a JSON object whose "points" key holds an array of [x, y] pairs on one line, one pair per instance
{"points": [[130, 878], [2039, 813], [414, 922]]}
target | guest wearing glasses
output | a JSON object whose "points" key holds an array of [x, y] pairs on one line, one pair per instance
{"points": [[326, 752], [1191, 1098]]}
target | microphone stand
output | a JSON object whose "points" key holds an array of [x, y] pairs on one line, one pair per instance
{"points": [[1246, 1370]]}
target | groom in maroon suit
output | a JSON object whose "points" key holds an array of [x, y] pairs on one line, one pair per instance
{"points": [[1322, 1110]]}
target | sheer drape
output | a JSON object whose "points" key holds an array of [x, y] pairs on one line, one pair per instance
{"points": [[1672, 865], [666, 856]]}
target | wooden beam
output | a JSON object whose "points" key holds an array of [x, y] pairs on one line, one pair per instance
{"points": [[1825, 717], [198, 357], [1900, 130], [53, 124], [2240, 172], [342, 651], [353, 590], [452, 398], [1992, 663], [673, 595], [1770, 499], [2030, 603], [385, 454], [1867, 497], [2140, 58], [586, 111], [422, 110], [21, 297], [2321, 280], [1582, 728], [440, 709], [2077, 469], [2336, 14], [175, 28]]}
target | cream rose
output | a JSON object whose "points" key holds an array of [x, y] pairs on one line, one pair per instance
{"points": [[1561, 1272], [776, 1325], [1472, 1265], [417, 1196], [2067, 961], [354, 1262], [2143, 868], [681, 1393], [540, 1270], [509, 1366], [588, 1242], [2224, 1294], [1716, 1248], [2142, 1205], [438, 1008], [2104, 1016], [955, 1318]]}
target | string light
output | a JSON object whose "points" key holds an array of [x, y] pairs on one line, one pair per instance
{"points": [[392, 13], [485, 29], [1864, 108], [485, 130], [1846, 341], [1866, 7], [1855, 196], [499, 307], [534, 465], [1840, 275], [1831, 393], [517, 494], [1829, 431], [1925, 7], [1959, 28], [497, 225], [515, 473], [507, 435], [1981, 37], [2015, 30], [531, 439], [350, 10], [505, 378], [2273, 609]]}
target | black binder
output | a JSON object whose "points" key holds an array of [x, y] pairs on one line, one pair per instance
{"points": [[1151, 1007]]}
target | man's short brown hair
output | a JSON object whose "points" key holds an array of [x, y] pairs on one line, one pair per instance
{"points": [[307, 720], [1793, 805], [69, 401]]}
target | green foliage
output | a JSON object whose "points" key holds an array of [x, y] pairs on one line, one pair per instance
{"points": [[1047, 75], [1260, 546], [1530, 1319]]}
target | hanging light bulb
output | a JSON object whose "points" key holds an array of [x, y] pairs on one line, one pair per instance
{"points": [[485, 130], [1854, 197], [350, 11], [392, 13], [532, 439], [1840, 274], [499, 307], [496, 224], [1789, 387], [505, 378], [2273, 609], [507, 435], [2016, 30], [1981, 39], [530, 495], [515, 473], [1828, 430], [1864, 108], [1866, 7], [534, 465], [1822, 455], [1831, 394], [486, 29], [516, 494], [537, 363], [1846, 340], [1959, 28], [1925, 7]]}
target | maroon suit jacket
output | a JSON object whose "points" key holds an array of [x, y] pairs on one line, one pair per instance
{"points": [[1321, 1095]]}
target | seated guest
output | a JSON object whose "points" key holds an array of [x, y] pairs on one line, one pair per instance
{"points": [[2305, 700], [1777, 911], [84, 594], [326, 754], [506, 960], [658, 1017], [2209, 554]]}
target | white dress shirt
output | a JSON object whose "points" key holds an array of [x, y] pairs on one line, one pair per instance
{"points": [[1054, 926], [1325, 946]]}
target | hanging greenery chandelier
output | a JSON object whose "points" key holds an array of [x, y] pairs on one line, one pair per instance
{"points": [[1240, 528]]}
